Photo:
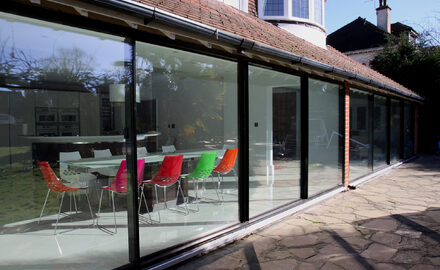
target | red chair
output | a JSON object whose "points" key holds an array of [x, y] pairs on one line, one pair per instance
{"points": [[225, 166], [119, 185], [55, 185], [168, 175]]}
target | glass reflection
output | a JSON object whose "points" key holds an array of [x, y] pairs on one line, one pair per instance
{"points": [[324, 137], [59, 125], [274, 139], [395, 130], [360, 134], [380, 132], [188, 108]]}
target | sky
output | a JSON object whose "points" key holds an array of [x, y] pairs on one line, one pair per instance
{"points": [[419, 14]]}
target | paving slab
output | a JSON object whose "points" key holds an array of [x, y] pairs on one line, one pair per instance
{"points": [[389, 223]]}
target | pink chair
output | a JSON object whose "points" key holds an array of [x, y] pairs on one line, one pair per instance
{"points": [[119, 185], [168, 175]]}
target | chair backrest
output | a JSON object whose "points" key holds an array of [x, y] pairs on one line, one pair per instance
{"points": [[102, 153], [169, 171], [205, 165], [228, 161], [119, 183], [168, 148], [65, 173], [142, 151], [140, 171], [52, 181], [69, 156]]}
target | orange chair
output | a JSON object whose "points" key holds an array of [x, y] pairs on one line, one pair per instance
{"points": [[225, 166], [55, 185]]}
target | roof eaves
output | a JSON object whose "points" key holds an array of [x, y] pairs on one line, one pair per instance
{"points": [[170, 19]]}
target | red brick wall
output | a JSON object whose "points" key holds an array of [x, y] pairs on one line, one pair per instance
{"points": [[347, 134], [252, 7]]}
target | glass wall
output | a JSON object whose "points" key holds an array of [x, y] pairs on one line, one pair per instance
{"points": [[380, 132], [360, 134], [187, 109], [395, 130], [274, 139], [408, 129], [324, 137], [61, 146]]}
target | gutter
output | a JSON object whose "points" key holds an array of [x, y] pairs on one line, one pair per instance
{"points": [[152, 14]]}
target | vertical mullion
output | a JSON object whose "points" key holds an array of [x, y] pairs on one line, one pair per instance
{"points": [[131, 155], [402, 130], [243, 140], [304, 177], [371, 130], [388, 129]]}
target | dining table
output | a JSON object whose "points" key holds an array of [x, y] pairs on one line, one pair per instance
{"points": [[110, 165]]}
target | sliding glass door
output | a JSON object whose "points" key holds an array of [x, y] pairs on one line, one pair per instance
{"points": [[62, 116], [187, 123], [274, 139]]}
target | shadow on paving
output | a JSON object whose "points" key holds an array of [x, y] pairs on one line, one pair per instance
{"points": [[400, 241]]}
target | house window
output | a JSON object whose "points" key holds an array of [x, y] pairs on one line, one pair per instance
{"points": [[273, 8], [300, 8], [318, 11]]}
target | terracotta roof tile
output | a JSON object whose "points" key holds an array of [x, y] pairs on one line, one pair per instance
{"points": [[226, 18]]}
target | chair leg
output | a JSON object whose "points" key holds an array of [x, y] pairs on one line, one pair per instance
{"points": [[179, 187], [165, 197], [74, 202], [99, 208], [90, 208], [44, 205], [157, 201], [59, 212], [114, 210], [216, 188], [146, 205]]}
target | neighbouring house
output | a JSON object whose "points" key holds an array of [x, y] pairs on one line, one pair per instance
{"points": [[137, 134], [362, 40]]}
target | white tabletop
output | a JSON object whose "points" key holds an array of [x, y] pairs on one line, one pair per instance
{"points": [[109, 166]]}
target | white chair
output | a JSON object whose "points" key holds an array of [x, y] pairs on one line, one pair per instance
{"points": [[73, 177], [168, 149], [142, 151], [102, 153]]}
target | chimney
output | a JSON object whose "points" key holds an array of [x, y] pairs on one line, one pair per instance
{"points": [[383, 13]]}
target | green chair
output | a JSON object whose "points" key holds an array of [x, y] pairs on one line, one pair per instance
{"points": [[202, 171]]}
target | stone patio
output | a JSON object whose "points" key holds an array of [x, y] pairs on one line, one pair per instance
{"points": [[390, 223]]}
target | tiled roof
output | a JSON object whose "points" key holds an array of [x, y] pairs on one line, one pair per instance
{"points": [[228, 19]]}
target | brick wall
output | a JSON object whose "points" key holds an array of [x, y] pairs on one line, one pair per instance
{"points": [[253, 7], [347, 134]]}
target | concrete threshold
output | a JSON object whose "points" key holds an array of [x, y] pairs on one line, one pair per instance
{"points": [[253, 227]]}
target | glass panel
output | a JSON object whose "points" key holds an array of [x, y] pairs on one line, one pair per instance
{"points": [[360, 134], [324, 137], [408, 130], [300, 8], [57, 115], [395, 130], [273, 8], [274, 139], [187, 113], [318, 11], [380, 132]]}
